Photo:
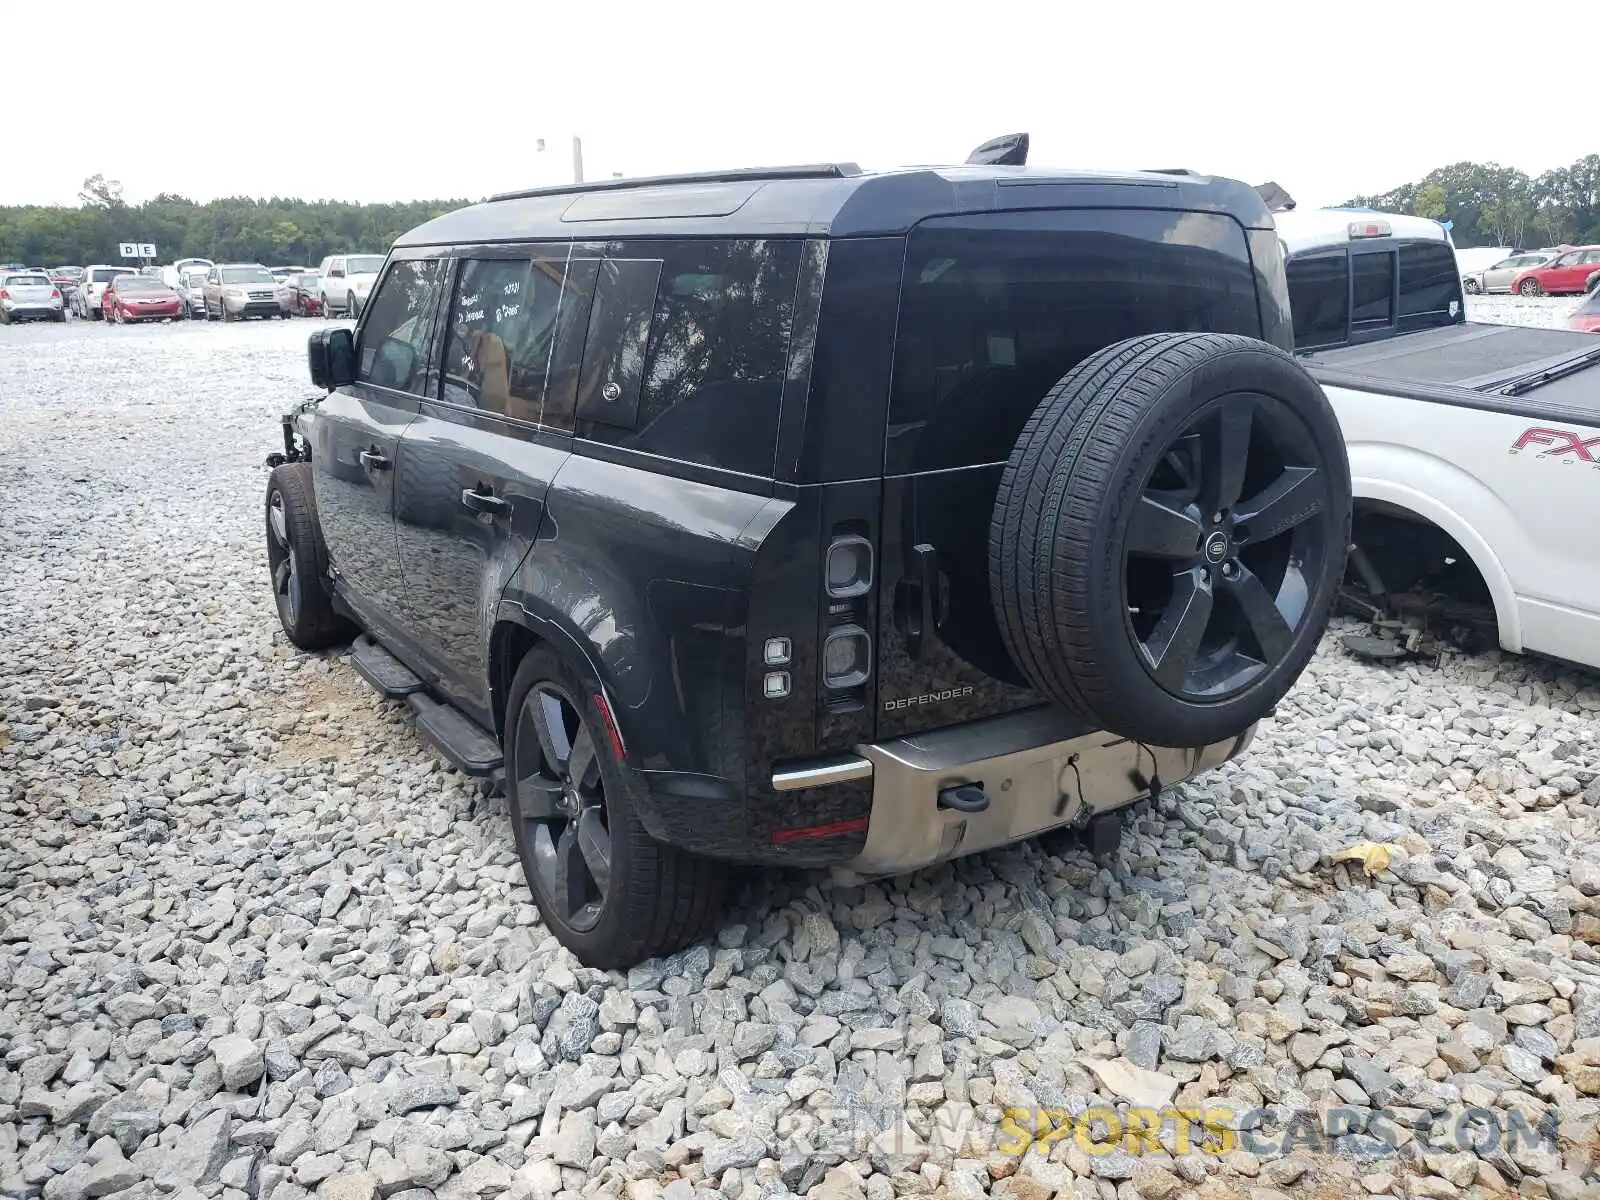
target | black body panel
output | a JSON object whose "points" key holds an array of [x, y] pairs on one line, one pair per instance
{"points": [[353, 446], [456, 560]]}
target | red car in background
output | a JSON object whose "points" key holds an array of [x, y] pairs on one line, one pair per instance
{"points": [[1586, 317], [305, 295], [131, 298], [1576, 270]]}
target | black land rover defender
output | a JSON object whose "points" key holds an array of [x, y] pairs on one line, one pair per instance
{"points": [[815, 516]]}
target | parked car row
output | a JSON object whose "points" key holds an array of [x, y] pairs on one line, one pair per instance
{"points": [[191, 288], [1553, 271]]}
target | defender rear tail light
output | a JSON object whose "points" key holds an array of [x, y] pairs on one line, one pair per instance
{"points": [[849, 567], [846, 657]]}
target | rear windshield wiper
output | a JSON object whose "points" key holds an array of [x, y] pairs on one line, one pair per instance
{"points": [[1519, 387]]}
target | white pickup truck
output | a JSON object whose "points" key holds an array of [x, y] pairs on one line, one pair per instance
{"points": [[1474, 449]]}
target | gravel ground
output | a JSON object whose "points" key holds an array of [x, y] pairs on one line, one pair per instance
{"points": [[256, 942], [1549, 311]]}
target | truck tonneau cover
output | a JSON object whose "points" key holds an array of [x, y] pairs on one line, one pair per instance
{"points": [[1470, 365]]}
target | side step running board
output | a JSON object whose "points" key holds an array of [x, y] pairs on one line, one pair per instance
{"points": [[468, 748], [382, 670], [464, 745]]}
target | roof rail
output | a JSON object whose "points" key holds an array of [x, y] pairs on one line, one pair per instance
{"points": [[738, 175], [1170, 171]]}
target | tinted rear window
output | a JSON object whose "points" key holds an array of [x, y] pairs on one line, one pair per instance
{"points": [[718, 348], [1372, 287], [1429, 282], [995, 308], [1319, 295]]}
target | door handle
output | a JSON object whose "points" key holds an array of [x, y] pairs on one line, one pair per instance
{"points": [[484, 501], [374, 460]]}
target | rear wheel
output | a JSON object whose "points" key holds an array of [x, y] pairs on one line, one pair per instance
{"points": [[1169, 534], [1592, 284], [609, 892], [297, 559], [1530, 287]]}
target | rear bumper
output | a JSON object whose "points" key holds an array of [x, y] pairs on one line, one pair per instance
{"points": [[1038, 770]]}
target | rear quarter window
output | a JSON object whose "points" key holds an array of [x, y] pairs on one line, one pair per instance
{"points": [[995, 308], [713, 366]]}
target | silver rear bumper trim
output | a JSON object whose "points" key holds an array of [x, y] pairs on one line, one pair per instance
{"points": [[1038, 768], [819, 774]]}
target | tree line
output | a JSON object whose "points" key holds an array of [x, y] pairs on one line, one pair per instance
{"points": [[1491, 205], [1487, 204], [231, 229]]}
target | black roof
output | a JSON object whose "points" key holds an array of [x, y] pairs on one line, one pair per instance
{"points": [[828, 200]]}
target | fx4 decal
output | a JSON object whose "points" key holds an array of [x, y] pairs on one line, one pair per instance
{"points": [[1558, 442]]}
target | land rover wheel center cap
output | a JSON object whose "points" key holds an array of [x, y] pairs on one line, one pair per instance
{"points": [[1216, 547]]}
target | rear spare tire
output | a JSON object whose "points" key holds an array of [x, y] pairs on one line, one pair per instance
{"points": [[1169, 534]]}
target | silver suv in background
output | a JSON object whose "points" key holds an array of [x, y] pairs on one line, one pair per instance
{"points": [[1496, 279], [86, 299], [192, 287], [347, 281], [234, 291], [29, 296]]}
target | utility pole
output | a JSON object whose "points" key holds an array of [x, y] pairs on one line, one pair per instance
{"points": [[577, 159]]}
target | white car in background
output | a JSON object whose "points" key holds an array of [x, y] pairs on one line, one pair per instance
{"points": [[29, 296], [347, 281], [177, 274], [86, 299]]}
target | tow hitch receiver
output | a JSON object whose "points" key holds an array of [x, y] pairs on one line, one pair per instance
{"points": [[964, 797]]}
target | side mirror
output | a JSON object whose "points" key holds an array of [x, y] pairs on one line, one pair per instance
{"points": [[331, 355]]}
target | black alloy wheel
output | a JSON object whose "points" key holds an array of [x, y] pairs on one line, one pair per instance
{"points": [[1221, 551], [282, 562], [563, 825]]}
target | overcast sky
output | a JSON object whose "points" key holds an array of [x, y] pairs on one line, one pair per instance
{"points": [[395, 99]]}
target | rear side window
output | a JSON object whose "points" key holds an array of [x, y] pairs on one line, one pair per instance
{"points": [[995, 308], [715, 357], [1429, 282], [392, 340], [1319, 295], [514, 323]]}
